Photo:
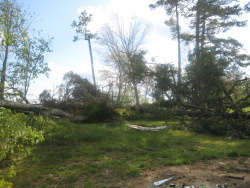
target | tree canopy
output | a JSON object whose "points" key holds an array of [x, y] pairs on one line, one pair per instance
{"points": [[22, 51]]}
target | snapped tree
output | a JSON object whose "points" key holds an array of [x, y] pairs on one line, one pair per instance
{"points": [[83, 33]]}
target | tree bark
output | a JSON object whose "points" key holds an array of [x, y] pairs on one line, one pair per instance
{"points": [[136, 95], [197, 34]]}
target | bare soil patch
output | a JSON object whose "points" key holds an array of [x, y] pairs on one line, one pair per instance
{"points": [[236, 173]]}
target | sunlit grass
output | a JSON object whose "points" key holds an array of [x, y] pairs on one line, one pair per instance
{"points": [[247, 109], [92, 154]]}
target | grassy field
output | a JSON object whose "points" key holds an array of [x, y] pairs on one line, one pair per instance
{"points": [[96, 155]]}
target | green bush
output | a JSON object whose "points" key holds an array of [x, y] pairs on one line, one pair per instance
{"points": [[61, 134], [99, 112], [151, 113], [239, 128], [16, 135]]}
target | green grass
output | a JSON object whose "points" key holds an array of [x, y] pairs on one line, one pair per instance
{"points": [[247, 109], [94, 155]]}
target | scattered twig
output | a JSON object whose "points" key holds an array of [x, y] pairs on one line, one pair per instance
{"points": [[235, 177]]}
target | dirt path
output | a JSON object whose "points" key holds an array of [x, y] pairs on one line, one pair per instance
{"points": [[208, 173]]}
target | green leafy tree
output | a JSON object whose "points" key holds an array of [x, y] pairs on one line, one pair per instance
{"points": [[165, 81], [12, 26], [214, 83], [209, 19], [30, 63], [21, 55], [75, 88]]}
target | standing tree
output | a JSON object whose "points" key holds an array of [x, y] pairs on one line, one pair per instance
{"points": [[123, 50], [12, 26], [83, 33], [214, 85], [209, 18], [173, 9], [30, 63], [21, 55]]}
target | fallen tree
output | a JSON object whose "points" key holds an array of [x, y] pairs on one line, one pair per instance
{"points": [[194, 113], [39, 110]]}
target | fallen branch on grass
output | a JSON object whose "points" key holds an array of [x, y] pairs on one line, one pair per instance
{"points": [[236, 177], [142, 128]]}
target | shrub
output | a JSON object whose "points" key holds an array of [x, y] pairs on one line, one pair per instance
{"points": [[146, 113], [99, 112], [218, 125], [16, 135]]}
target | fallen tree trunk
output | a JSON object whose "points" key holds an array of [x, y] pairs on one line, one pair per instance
{"points": [[39, 110], [200, 113], [144, 109]]}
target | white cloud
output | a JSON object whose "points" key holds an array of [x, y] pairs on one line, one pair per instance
{"points": [[158, 41]]}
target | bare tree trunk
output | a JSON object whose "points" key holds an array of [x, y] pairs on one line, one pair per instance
{"points": [[179, 44], [197, 52], [118, 99], [136, 95], [92, 65], [197, 35]]}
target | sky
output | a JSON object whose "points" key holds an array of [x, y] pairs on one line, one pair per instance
{"points": [[55, 17]]}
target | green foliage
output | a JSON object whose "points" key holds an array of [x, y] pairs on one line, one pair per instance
{"points": [[78, 96], [22, 56], [30, 62], [9, 173], [151, 113], [11, 23], [213, 83], [81, 26], [239, 128], [99, 113], [61, 134], [16, 135]]}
